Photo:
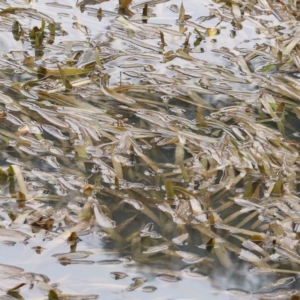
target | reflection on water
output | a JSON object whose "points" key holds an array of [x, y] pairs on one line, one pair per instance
{"points": [[149, 149]]}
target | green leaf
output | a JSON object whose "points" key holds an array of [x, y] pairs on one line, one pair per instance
{"points": [[17, 30], [39, 36], [43, 25], [169, 189], [52, 295], [66, 82]]}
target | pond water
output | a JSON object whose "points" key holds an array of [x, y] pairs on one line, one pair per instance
{"points": [[149, 149]]}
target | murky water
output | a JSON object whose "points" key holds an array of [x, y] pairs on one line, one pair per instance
{"points": [[149, 151]]}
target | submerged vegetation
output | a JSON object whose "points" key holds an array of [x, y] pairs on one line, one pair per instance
{"points": [[153, 141]]}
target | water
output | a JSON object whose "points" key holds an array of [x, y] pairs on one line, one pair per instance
{"points": [[139, 163]]}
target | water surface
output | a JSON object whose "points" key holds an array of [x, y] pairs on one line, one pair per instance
{"points": [[149, 154]]}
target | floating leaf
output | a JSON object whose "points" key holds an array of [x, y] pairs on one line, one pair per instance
{"points": [[212, 31], [168, 278], [181, 13], [102, 219], [149, 289], [136, 284], [118, 275], [155, 249]]}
